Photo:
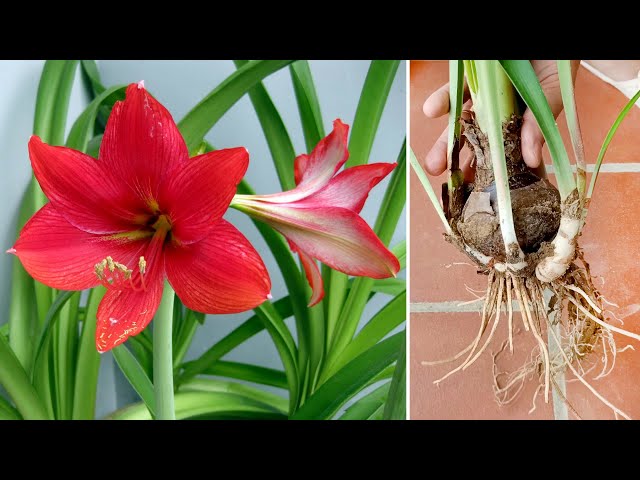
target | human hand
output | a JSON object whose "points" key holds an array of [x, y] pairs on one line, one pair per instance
{"points": [[532, 140]]}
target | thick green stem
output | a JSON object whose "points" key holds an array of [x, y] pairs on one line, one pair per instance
{"points": [[163, 357], [494, 104], [15, 380], [500, 92]]}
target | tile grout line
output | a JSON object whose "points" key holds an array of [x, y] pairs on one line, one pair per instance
{"points": [[606, 168], [452, 306]]}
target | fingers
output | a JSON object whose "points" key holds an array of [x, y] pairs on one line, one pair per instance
{"points": [[531, 137], [437, 104], [435, 162]]}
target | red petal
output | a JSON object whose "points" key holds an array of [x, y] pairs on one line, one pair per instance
{"points": [[313, 275], [335, 236], [299, 167], [314, 171], [62, 256], [86, 195], [351, 187], [199, 193], [125, 312], [222, 273], [141, 143]]}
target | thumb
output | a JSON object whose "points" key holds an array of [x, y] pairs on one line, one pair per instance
{"points": [[531, 136]]}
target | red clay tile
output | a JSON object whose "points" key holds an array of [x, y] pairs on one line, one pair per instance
{"points": [[466, 394]]}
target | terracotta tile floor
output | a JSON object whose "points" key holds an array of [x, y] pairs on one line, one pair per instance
{"points": [[439, 272]]}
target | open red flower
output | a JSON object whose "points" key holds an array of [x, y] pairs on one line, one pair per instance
{"points": [[141, 212], [320, 217]]}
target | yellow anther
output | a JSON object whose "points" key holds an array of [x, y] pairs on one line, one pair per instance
{"points": [[99, 269], [121, 267], [111, 264], [142, 265]]}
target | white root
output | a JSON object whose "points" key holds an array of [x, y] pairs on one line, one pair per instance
{"points": [[483, 325], [585, 296], [447, 360], [616, 410], [564, 247], [541, 343], [601, 323], [509, 313], [493, 329]]}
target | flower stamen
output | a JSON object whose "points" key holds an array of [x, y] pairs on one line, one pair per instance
{"points": [[113, 274]]}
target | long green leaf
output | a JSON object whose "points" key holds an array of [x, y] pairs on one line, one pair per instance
{"points": [[394, 199], [367, 406], [49, 322], [383, 322], [7, 411], [22, 310], [573, 122], [276, 402], [607, 141], [90, 70], [65, 345], [83, 128], [526, 82], [88, 361], [308, 104], [330, 396], [185, 337], [195, 125], [206, 404], [16, 381], [142, 349], [426, 184], [373, 99], [275, 133], [249, 373], [52, 73], [396, 405], [284, 344], [389, 286], [400, 251], [456, 97], [135, 375], [239, 335], [61, 105]]}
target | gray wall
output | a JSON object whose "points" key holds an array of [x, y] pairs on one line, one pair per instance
{"points": [[179, 85]]}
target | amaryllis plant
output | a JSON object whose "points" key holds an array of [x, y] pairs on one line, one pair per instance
{"points": [[130, 210]]}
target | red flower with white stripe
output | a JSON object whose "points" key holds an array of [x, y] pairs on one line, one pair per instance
{"points": [[320, 217], [139, 213]]}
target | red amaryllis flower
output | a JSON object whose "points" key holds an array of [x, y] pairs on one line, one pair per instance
{"points": [[142, 211], [320, 217]]}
